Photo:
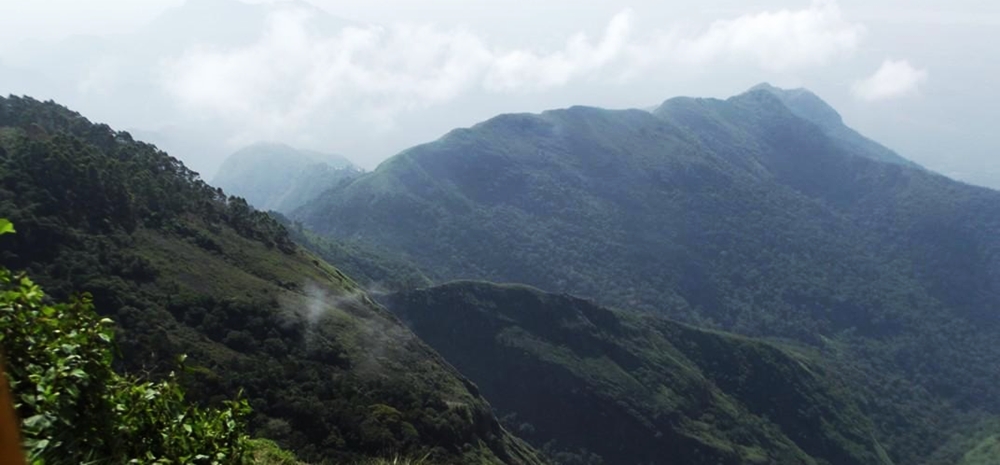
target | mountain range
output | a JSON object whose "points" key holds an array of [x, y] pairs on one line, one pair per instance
{"points": [[762, 214], [729, 281]]}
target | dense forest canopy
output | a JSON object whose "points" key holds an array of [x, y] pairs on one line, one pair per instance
{"points": [[760, 214], [651, 388]]}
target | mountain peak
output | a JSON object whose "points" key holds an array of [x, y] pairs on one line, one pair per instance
{"points": [[764, 86], [803, 103], [808, 106]]}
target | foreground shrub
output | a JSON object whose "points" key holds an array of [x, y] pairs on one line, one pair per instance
{"points": [[75, 408]]}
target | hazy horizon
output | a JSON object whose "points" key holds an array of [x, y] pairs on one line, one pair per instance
{"points": [[369, 80]]}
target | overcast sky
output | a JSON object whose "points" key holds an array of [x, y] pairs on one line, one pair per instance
{"points": [[369, 78]]}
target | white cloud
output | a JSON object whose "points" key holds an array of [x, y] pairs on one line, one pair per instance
{"points": [[293, 73], [777, 40], [894, 79], [289, 73], [100, 76], [524, 68]]}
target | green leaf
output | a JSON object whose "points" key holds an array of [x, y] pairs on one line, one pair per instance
{"points": [[35, 421], [6, 227]]}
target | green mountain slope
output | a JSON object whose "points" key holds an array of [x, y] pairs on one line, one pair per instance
{"points": [[277, 177], [637, 389], [738, 214], [373, 268], [183, 269]]}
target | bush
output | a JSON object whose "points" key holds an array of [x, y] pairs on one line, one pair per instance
{"points": [[76, 409], [266, 452]]}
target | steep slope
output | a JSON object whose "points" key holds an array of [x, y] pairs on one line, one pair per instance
{"points": [[636, 389], [738, 214], [181, 268], [277, 177]]}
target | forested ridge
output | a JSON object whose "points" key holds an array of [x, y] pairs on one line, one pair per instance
{"points": [[761, 214], [652, 388], [183, 269]]}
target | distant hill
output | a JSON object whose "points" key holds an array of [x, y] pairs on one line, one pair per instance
{"points": [[754, 214], [597, 384], [184, 269], [273, 176]]}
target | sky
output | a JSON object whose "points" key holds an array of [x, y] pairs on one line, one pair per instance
{"points": [[201, 78]]}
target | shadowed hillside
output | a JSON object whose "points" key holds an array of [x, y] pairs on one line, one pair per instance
{"points": [[632, 388]]}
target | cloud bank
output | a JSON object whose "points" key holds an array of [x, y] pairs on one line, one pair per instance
{"points": [[293, 72], [777, 40], [894, 79]]}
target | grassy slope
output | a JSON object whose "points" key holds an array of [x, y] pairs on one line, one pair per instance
{"points": [[638, 389]]}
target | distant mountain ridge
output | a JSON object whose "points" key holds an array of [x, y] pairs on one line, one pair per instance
{"points": [[275, 176], [760, 214]]}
